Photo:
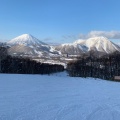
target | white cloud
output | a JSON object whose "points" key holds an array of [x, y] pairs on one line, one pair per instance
{"points": [[114, 36], [108, 34]]}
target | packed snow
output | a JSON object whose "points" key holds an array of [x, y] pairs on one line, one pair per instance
{"points": [[58, 97]]}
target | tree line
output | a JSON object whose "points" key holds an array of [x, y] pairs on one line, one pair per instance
{"points": [[20, 65], [26, 66], [105, 67]]}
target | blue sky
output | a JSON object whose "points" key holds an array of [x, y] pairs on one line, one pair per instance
{"points": [[60, 21]]}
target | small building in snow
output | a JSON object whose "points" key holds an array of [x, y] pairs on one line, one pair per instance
{"points": [[117, 78]]}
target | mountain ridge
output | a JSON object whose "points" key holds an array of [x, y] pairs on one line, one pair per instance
{"points": [[99, 44], [27, 45]]}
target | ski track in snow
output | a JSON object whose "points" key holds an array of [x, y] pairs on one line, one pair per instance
{"points": [[58, 97]]}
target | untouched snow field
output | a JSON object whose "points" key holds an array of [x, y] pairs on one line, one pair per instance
{"points": [[57, 97]]}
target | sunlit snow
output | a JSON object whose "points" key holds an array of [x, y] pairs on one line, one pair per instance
{"points": [[58, 97]]}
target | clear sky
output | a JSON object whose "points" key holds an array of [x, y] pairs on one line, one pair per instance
{"points": [[60, 20]]}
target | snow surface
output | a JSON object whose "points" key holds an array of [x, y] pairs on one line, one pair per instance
{"points": [[58, 97]]}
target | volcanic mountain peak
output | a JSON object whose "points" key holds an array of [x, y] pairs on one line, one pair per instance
{"points": [[25, 39]]}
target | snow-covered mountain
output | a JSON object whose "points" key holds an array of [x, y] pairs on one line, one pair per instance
{"points": [[101, 44], [28, 45], [95, 44], [25, 39]]}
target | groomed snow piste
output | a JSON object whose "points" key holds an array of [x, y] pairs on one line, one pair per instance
{"points": [[58, 97]]}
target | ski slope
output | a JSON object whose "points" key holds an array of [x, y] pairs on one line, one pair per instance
{"points": [[58, 97]]}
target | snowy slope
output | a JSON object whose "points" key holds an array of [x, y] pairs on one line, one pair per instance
{"points": [[69, 48], [96, 44], [36, 97]]}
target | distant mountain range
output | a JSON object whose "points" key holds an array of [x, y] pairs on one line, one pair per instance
{"points": [[98, 45], [28, 46]]}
